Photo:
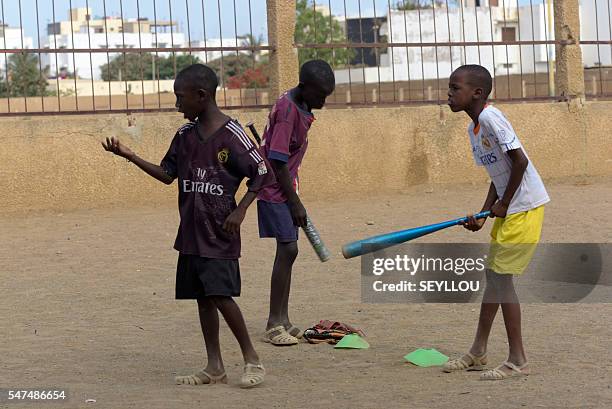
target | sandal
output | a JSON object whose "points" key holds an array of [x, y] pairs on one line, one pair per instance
{"points": [[200, 378], [253, 375], [468, 362], [295, 332], [279, 336], [497, 374]]}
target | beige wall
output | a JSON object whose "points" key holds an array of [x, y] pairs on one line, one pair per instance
{"points": [[58, 163]]}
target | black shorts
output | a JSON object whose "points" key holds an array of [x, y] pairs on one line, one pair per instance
{"points": [[198, 277]]}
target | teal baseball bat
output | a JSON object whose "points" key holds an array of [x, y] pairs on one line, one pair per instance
{"points": [[371, 244]]}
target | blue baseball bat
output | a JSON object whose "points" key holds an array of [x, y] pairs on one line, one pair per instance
{"points": [[360, 247]]}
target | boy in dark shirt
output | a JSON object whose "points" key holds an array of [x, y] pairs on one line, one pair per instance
{"points": [[210, 156]]}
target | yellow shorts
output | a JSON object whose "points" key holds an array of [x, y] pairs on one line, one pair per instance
{"points": [[514, 239]]}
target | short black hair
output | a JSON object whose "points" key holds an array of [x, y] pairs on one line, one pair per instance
{"points": [[200, 76], [318, 72], [478, 76]]}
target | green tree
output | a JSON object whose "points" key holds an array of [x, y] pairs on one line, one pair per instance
{"points": [[136, 66], [249, 40], [24, 77], [313, 27], [234, 65]]}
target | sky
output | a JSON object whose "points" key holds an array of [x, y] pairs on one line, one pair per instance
{"points": [[250, 14]]}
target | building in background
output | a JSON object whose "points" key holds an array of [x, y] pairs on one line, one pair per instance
{"points": [[476, 21], [82, 31], [12, 38]]}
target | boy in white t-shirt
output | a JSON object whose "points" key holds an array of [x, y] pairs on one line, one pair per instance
{"points": [[516, 198]]}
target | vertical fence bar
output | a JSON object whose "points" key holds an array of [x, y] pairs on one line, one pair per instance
{"points": [[142, 86], [127, 101], [390, 40], [493, 53], [407, 50], [348, 63], [222, 64], [25, 56], [544, 14], [6, 63], [433, 5], [535, 71], [421, 41], [239, 74], [254, 52], [520, 47], [43, 91], [477, 34], [204, 32], [365, 88], [314, 24], [59, 103], [450, 47], [188, 31], [375, 28], [463, 32], [93, 92], [331, 40], [507, 54], [108, 71], [172, 38], [74, 68], [155, 58], [599, 63]]}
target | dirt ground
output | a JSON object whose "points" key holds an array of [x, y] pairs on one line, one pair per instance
{"points": [[88, 306]]}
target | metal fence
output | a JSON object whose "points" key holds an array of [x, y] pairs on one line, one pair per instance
{"points": [[596, 44], [122, 56], [403, 51]]}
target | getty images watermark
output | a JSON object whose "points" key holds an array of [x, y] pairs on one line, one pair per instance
{"points": [[450, 273]]}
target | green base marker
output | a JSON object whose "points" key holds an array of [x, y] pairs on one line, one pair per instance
{"points": [[352, 341], [426, 357]]}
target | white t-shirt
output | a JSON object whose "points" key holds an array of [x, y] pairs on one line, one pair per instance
{"points": [[492, 138]]}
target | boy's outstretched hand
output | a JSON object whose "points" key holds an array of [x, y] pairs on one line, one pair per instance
{"points": [[113, 145], [473, 224]]}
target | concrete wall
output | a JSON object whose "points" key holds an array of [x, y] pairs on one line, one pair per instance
{"points": [[58, 163]]}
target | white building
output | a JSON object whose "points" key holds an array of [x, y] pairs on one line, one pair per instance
{"points": [[479, 24], [206, 56], [11, 39], [107, 34]]}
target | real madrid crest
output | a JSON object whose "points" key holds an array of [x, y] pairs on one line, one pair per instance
{"points": [[223, 155], [485, 142]]}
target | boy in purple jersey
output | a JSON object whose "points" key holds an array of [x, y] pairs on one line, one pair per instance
{"points": [[279, 209], [210, 156]]}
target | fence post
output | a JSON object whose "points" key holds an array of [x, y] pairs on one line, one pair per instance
{"points": [[284, 64], [569, 78]]}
